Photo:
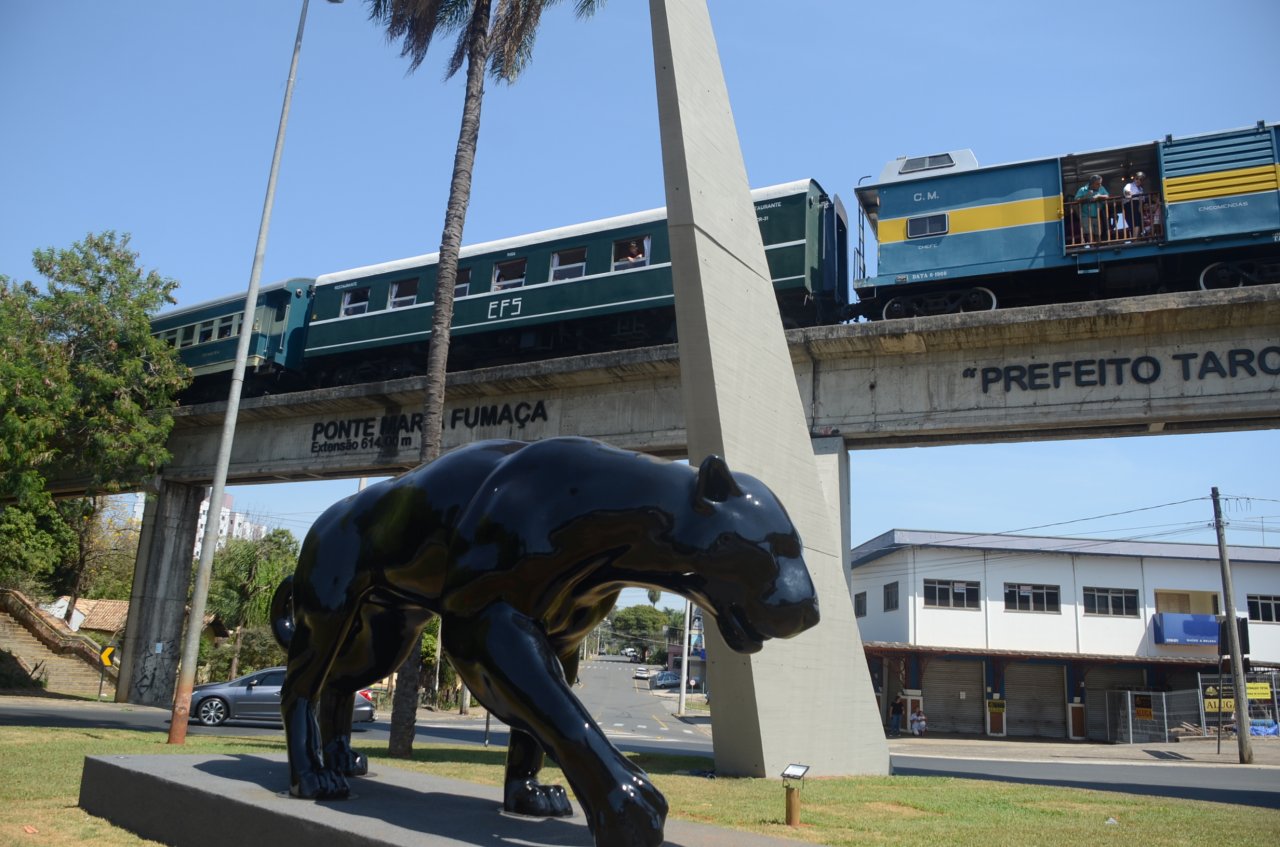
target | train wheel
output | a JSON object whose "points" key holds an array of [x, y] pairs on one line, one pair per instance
{"points": [[1220, 275], [894, 309], [978, 300]]}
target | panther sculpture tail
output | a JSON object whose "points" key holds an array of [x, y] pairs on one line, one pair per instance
{"points": [[282, 612]]}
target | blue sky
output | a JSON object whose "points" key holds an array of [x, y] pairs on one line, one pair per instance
{"points": [[158, 118]]}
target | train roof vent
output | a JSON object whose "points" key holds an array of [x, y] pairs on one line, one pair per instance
{"points": [[912, 167], [927, 163]]}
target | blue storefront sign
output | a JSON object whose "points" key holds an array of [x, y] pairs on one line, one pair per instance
{"points": [[1173, 628]]}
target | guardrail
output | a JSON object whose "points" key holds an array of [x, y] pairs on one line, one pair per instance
{"points": [[51, 632], [1112, 221]]}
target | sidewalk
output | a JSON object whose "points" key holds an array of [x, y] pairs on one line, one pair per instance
{"points": [[1266, 750]]}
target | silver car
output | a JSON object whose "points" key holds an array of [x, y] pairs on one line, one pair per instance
{"points": [[255, 697]]}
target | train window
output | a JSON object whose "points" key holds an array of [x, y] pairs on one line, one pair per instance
{"points": [[169, 337], [462, 282], [206, 332], [927, 163], [568, 264], [404, 293], [509, 274], [630, 253], [226, 326], [188, 336], [355, 302], [927, 225]]}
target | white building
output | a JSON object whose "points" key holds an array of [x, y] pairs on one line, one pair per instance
{"points": [[1021, 635], [231, 524]]}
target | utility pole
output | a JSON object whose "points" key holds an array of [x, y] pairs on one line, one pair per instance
{"points": [[200, 593], [1233, 640]]}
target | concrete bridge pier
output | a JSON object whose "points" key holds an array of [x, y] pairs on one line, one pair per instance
{"points": [[157, 606]]}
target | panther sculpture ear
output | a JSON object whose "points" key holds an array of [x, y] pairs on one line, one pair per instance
{"points": [[715, 483]]}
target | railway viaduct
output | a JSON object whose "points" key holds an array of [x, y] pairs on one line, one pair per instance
{"points": [[1173, 363]]}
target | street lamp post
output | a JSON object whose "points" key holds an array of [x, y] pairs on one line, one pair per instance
{"points": [[200, 594]]}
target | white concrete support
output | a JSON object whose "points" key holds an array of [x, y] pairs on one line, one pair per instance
{"points": [[807, 699]]}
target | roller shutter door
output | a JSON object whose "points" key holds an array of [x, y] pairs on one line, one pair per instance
{"points": [[1037, 700], [1097, 682], [953, 696]]}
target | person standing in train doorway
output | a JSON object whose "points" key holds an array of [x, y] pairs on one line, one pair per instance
{"points": [[1090, 222], [1133, 191]]}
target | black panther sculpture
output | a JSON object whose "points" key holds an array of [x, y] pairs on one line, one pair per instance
{"points": [[522, 550]]}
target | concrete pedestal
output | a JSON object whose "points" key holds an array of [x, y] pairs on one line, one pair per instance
{"points": [[214, 801]]}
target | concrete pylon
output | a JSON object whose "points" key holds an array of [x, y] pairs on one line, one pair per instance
{"points": [[807, 699]]}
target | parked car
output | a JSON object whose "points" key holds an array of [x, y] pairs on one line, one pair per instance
{"points": [[671, 679], [666, 679], [641, 673], [255, 697]]}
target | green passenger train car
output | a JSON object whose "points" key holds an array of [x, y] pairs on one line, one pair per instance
{"points": [[596, 286], [206, 336]]}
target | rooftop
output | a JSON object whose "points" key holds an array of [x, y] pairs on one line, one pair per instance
{"points": [[899, 539]]}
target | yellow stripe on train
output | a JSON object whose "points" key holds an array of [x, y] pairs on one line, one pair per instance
{"points": [[1036, 210], [1222, 183]]}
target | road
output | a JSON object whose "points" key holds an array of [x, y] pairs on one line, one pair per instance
{"points": [[640, 720], [633, 717]]}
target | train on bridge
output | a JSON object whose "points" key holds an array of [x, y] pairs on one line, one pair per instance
{"points": [[953, 236]]}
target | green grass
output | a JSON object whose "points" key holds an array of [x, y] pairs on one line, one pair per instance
{"points": [[41, 782]]}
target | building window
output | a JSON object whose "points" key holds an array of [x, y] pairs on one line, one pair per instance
{"points": [[1264, 607], [1024, 597], [926, 226], [1187, 603], [1117, 602], [631, 253], [860, 604], [404, 293], [355, 302], [568, 264], [509, 274], [952, 594], [890, 596], [462, 282]]}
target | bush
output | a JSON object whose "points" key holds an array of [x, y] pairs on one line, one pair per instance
{"points": [[14, 677]]}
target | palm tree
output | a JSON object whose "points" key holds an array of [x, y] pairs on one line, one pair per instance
{"points": [[504, 48], [654, 596]]}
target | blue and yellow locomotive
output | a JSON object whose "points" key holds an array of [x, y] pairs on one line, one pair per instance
{"points": [[1173, 214]]}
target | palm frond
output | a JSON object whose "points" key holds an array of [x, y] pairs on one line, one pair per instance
{"points": [[414, 23], [514, 29]]}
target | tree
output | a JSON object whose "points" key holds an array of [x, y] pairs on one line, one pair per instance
{"points": [[504, 49], [654, 596], [84, 387], [110, 576], [245, 575], [640, 627]]}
